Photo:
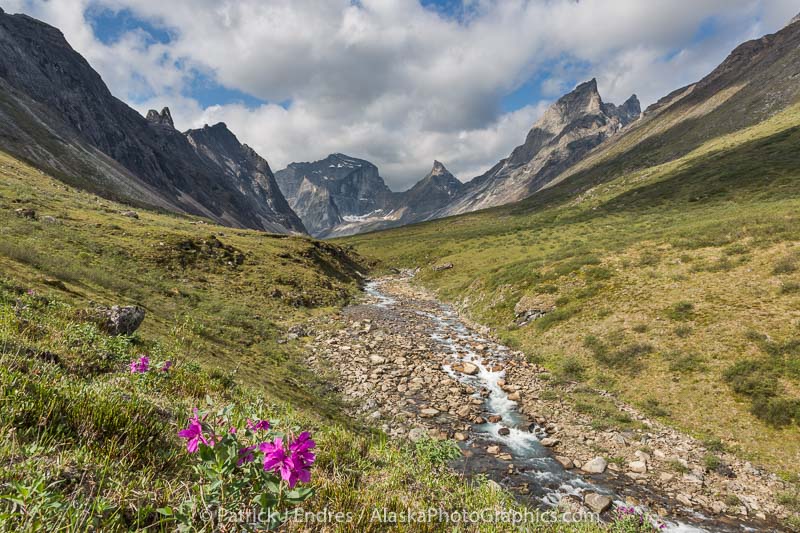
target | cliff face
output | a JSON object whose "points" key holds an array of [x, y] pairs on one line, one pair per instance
{"points": [[573, 126], [59, 115]]}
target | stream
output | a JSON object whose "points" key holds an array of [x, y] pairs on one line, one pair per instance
{"points": [[538, 480]]}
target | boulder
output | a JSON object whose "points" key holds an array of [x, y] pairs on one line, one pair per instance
{"points": [[130, 214], [597, 502], [595, 466], [119, 320], [534, 306], [444, 266], [377, 359], [549, 442], [26, 213]]}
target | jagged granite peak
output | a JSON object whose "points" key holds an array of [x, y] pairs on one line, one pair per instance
{"points": [[162, 119], [354, 186], [756, 81], [574, 125], [430, 194], [57, 113], [627, 112], [795, 19]]}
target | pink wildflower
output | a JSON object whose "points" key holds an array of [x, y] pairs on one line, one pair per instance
{"points": [[258, 425], [194, 435], [141, 366]]}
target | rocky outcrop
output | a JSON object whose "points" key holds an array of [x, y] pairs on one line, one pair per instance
{"points": [[573, 126], [56, 113], [335, 191], [161, 119]]}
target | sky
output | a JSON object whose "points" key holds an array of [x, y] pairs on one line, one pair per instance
{"points": [[397, 82]]}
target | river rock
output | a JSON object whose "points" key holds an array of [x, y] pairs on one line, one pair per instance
{"points": [[429, 412], [377, 359], [493, 450], [504, 431], [595, 466], [597, 502], [565, 462], [469, 369], [639, 467], [416, 434], [571, 504], [549, 442]]}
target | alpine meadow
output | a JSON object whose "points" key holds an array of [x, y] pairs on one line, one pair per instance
{"points": [[261, 308]]}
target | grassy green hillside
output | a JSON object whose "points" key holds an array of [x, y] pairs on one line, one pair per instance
{"points": [[677, 286], [84, 443]]}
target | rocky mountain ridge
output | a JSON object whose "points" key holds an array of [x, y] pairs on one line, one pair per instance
{"points": [[573, 126], [57, 113]]}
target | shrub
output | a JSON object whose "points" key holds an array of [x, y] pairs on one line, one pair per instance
{"points": [[785, 265], [572, 369], [654, 408], [751, 378], [683, 331], [789, 287], [681, 311], [436, 452], [684, 363]]}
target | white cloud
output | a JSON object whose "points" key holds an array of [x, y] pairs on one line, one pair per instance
{"points": [[393, 82]]}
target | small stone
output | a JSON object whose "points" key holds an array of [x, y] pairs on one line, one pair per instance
{"points": [[597, 502], [463, 411], [718, 507], [494, 419], [429, 412], [549, 442], [595, 466], [493, 450], [640, 467], [514, 396], [377, 359], [469, 369], [416, 434], [565, 462], [460, 437], [505, 457], [504, 431]]}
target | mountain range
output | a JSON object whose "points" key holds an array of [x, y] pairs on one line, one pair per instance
{"points": [[341, 195], [58, 115]]}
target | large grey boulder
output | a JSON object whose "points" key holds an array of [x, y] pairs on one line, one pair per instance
{"points": [[120, 320]]}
